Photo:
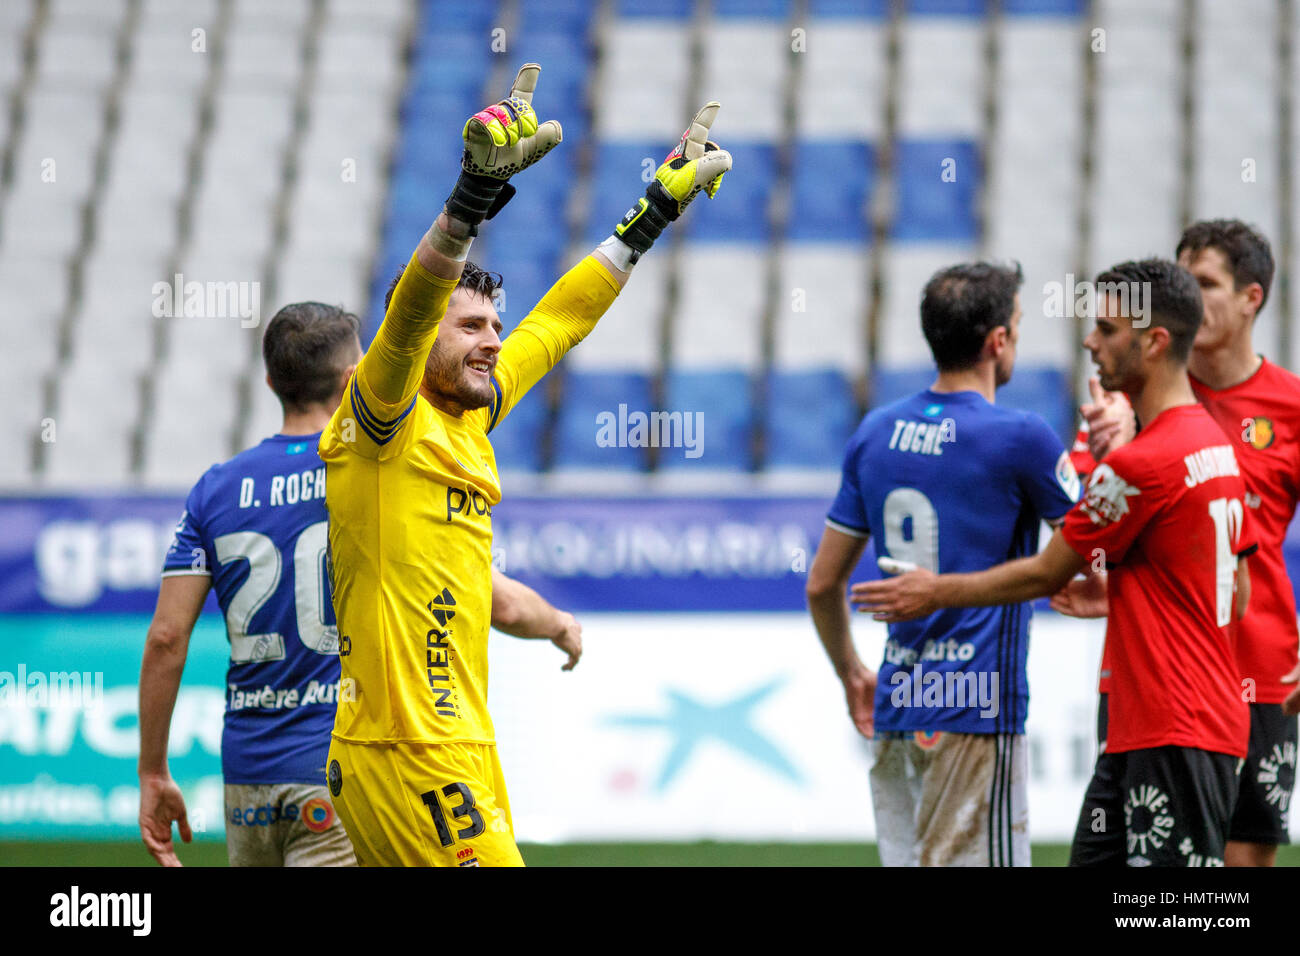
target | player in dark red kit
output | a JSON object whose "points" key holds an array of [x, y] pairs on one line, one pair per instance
{"points": [[1258, 406], [1167, 513]]}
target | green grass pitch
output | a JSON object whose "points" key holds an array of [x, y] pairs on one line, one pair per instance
{"points": [[213, 853]]}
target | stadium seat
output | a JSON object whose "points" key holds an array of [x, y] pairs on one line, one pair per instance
{"points": [[628, 108], [831, 190], [1044, 8], [848, 9], [586, 397], [571, 17], [517, 441], [621, 170], [753, 9], [740, 211], [930, 207], [796, 400], [668, 9], [720, 400], [942, 72], [747, 69], [1044, 391]]}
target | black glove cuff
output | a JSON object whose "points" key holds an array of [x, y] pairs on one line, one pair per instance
{"points": [[643, 223], [475, 198]]}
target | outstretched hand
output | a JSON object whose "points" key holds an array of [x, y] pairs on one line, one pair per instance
{"points": [[506, 137]]}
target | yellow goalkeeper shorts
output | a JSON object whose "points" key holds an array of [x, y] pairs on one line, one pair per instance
{"points": [[423, 804]]}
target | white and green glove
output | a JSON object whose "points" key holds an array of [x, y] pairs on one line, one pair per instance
{"points": [[500, 141], [696, 164]]}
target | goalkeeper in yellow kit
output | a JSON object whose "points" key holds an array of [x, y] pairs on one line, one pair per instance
{"points": [[410, 487]]}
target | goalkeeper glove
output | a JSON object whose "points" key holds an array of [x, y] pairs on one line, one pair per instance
{"points": [[695, 164], [499, 142]]}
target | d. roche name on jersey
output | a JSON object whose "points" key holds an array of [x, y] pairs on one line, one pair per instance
{"points": [[308, 485]]}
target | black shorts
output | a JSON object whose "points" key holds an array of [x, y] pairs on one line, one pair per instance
{"points": [[1166, 806], [1267, 779]]}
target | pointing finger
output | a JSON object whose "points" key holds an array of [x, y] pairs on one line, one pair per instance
{"points": [[526, 82], [698, 134]]}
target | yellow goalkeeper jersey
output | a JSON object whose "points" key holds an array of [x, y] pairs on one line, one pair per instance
{"points": [[410, 491]]}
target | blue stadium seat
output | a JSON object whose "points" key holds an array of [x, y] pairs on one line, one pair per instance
{"points": [[1044, 8], [618, 183], [889, 384], [586, 396], [564, 59], [465, 14], [573, 17], [662, 9], [1039, 389], [832, 184], [725, 399], [948, 8], [1044, 390], [930, 209], [526, 280], [752, 9], [532, 225], [810, 416], [517, 440], [873, 9], [739, 211]]}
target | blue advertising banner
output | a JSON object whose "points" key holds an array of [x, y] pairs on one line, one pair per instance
{"points": [[103, 554]]}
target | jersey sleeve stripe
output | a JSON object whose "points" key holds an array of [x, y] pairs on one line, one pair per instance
{"points": [[496, 405], [379, 430], [1248, 551], [185, 572], [845, 529]]}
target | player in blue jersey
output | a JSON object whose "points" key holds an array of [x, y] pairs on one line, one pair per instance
{"points": [[948, 481], [254, 529]]}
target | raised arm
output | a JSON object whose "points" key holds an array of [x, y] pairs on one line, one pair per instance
{"points": [[570, 310], [500, 141]]}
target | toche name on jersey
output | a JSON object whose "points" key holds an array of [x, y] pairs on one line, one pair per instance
{"points": [[924, 438]]}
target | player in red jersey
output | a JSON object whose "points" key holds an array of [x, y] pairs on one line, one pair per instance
{"points": [[1167, 513], [1258, 406]]}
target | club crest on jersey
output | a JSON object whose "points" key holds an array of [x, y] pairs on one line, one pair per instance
{"points": [[1258, 432], [1107, 498], [466, 857], [317, 815]]}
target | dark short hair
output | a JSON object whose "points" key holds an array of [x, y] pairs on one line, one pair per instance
{"points": [[1169, 294], [1249, 257], [472, 279], [962, 304], [306, 347]]}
